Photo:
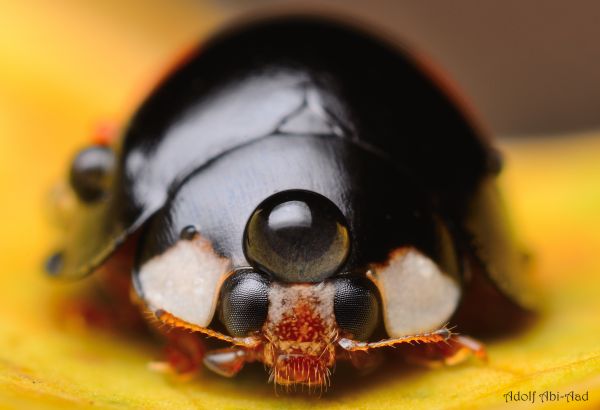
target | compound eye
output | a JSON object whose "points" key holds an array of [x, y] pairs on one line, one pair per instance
{"points": [[356, 306], [297, 236], [244, 302], [91, 171]]}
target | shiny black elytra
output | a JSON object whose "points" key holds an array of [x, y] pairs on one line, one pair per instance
{"points": [[305, 107]]}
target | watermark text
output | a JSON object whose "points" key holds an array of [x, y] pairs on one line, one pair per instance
{"points": [[546, 396]]}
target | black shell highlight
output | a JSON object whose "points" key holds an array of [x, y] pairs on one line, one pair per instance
{"points": [[297, 77]]}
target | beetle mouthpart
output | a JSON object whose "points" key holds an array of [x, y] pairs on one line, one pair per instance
{"points": [[226, 362], [300, 369]]}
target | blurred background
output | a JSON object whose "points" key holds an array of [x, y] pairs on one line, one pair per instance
{"points": [[530, 70], [528, 67]]}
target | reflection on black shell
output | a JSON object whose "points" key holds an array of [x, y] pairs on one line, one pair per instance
{"points": [[287, 77]]}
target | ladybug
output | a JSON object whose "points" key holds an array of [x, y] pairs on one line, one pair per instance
{"points": [[301, 191]]}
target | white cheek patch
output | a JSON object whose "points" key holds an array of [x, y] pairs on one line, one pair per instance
{"points": [[184, 281], [417, 296]]}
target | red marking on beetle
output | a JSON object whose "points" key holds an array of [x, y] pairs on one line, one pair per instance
{"points": [[452, 91], [105, 133]]}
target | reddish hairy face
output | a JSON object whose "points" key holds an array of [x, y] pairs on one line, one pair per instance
{"points": [[300, 330]]}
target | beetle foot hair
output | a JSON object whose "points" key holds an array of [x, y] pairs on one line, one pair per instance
{"points": [[441, 335]]}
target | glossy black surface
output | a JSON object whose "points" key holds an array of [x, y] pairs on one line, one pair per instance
{"points": [[90, 173], [188, 232], [244, 302], [297, 236], [220, 198], [291, 103]]}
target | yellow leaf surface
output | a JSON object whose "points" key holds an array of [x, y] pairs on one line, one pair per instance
{"points": [[62, 69]]}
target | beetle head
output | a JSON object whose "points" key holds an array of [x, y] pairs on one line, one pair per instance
{"points": [[300, 330], [288, 278]]}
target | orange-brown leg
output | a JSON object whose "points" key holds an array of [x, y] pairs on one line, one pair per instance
{"points": [[440, 347], [455, 350], [183, 353], [441, 335], [186, 352], [364, 361]]}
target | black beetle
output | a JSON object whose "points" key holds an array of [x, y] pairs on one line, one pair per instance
{"points": [[303, 191]]}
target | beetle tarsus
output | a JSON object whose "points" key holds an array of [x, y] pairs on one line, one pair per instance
{"points": [[173, 322], [440, 335], [453, 351]]}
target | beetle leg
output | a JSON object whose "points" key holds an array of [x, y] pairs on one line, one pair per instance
{"points": [[456, 350], [173, 322], [440, 335], [471, 345], [226, 362], [183, 354], [364, 362]]}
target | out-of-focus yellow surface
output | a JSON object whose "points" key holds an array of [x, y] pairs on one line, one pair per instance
{"points": [[65, 67]]}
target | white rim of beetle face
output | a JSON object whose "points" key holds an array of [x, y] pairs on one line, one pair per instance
{"points": [[184, 281], [417, 295]]}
